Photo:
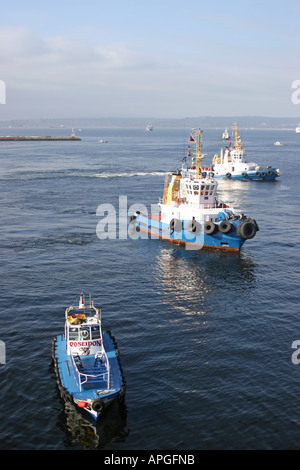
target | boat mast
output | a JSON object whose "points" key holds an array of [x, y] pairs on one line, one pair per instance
{"points": [[237, 145], [197, 137]]}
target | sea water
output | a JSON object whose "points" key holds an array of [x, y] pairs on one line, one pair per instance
{"points": [[205, 338]]}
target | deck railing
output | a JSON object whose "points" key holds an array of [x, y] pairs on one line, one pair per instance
{"points": [[82, 375]]}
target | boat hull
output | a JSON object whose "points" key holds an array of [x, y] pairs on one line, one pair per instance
{"points": [[217, 240], [255, 175], [90, 399]]}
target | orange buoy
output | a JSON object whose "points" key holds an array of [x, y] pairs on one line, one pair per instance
{"points": [[81, 404]]}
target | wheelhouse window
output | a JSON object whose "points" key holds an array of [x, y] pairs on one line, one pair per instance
{"points": [[95, 330], [73, 333], [85, 333]]}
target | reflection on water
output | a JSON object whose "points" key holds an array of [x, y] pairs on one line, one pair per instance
{"points": [[235, 192], [231, 192], [83, 431], [195, 281]]}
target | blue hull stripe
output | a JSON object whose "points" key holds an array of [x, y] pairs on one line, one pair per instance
{"points": [[219, 240], [251, 175]]}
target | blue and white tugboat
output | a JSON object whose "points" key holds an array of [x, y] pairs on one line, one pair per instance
{"points": [[86, 361], [232, 164], [190, 214]]}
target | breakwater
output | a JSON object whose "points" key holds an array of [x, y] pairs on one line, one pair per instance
{"points": [[39, 138]]}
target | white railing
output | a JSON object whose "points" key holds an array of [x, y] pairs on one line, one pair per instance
{"points": [[83, 376]]}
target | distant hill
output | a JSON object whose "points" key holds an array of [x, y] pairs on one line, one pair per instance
{"points": [[204, 122]]}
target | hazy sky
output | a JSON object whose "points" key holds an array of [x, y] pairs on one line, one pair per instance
{"points": [[154, 58]]}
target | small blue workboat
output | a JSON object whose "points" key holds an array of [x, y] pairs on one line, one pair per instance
{"points": [[190, 213], [232, 164], [86, 361]]}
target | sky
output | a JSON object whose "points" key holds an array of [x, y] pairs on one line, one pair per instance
{"points": [[137, 58]]}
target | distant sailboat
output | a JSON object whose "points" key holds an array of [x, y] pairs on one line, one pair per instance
{"points": [[149, 128], [225, 135]]}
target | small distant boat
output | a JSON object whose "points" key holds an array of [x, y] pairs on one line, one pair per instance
{"points": [[298, 129], [86, 361], [102, 141], [190, 214], [225, 135], [279, 144], [149, 127], [232, 164]]}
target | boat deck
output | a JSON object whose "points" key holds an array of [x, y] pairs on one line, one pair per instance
{"points": [[68, 375], [93, 372]]}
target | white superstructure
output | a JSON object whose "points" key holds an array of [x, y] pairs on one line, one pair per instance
{"points": [[190, 193], [232, 161]]}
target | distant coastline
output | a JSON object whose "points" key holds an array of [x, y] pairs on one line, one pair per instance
{"points": [[205, 122]]}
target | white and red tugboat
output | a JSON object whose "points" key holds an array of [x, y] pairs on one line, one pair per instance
{"points": [[190, 213], [232, 164]]}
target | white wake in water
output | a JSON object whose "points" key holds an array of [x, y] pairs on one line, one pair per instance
{"points": [[36, 175], [126, 175]]}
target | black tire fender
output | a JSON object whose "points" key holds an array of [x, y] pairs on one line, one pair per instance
{"points": [[193, 226], [175, 225], [225, 226], [246, 230], [97, 405], [210, 228]]}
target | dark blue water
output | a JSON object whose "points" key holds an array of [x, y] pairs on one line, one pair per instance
{"points": [[205, 338]]}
